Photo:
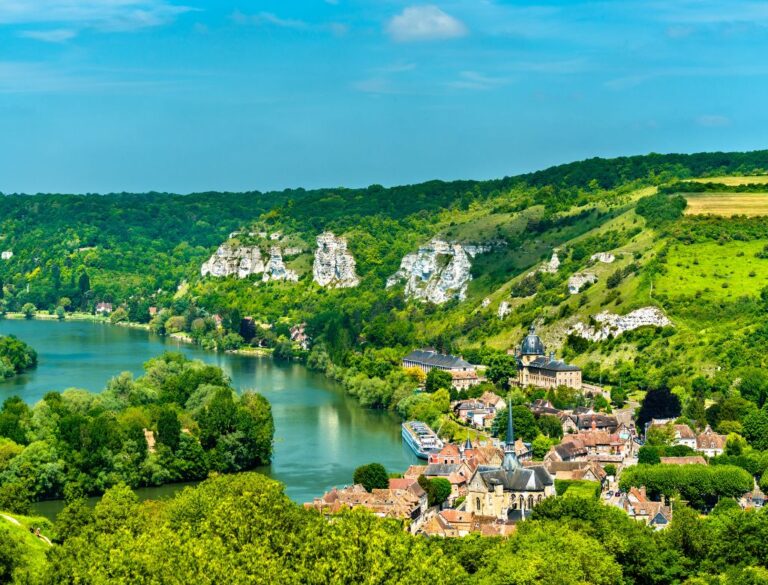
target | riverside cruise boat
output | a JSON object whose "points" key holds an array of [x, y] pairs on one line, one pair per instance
{"points": [[421, 439]]}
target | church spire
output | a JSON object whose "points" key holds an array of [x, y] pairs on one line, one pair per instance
{"points": [[510, 457]]}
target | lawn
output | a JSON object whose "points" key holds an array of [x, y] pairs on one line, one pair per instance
{"points": [[727, 204], [715, 272]]}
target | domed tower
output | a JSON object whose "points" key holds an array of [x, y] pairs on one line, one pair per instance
{"points": [[532, 347]]}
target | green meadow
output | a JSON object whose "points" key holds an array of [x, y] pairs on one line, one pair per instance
{"points": [[715, 271]]}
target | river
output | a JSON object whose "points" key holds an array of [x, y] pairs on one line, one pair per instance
{"points": [[321, 434]]}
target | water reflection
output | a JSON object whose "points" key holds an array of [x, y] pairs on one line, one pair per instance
{"points": [[321, 434]]}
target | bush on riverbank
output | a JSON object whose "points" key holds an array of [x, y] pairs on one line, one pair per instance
{"points": [[79, 442], [15, 356]]}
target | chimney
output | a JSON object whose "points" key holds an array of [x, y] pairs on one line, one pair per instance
{"points": [[642, 491]]}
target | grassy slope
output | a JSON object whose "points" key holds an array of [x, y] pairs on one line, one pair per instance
{"points": [[35, 548]]}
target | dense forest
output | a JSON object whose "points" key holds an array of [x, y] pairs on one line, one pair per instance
{"points": [[243, 529]]}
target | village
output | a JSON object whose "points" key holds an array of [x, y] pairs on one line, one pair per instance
{"points": [[496, 482]]}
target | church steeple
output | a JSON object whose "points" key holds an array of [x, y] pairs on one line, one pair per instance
{"points": [[510, 457]]}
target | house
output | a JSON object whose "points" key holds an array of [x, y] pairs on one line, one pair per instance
{"points": [[567, 451], [457, 474], [597, 422], [710, 443], [299, 336], [412, 486], [577, 470], [683, 434], [637, 505], [535, 368], [474, 412], [152, 311], [454, 523], [462, 380], [402, 504], [493, 401], [598, 445], [753, 499], [691, 460], [448, 455], [508, 492], [541, 407], [103, 308]]}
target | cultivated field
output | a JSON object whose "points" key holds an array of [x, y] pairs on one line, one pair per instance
{"points": [[727, 204], [762, 180]]}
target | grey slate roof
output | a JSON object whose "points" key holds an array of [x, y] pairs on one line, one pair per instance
{"points": [[437, 360], [544, 363], [441, 469], [521, 479], [532, 344]]}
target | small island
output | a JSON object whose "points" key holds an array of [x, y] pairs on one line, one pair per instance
{"points": [[15, 356]]}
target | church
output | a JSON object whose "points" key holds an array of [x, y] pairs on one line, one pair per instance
{"points": [[535, 368], [511, 491]]}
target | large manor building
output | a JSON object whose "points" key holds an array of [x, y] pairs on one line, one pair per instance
{"points": [[536, 368]]}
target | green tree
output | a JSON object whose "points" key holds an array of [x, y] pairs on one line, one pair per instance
{"points": [[551, 426], [168, 428], [28, 310], [371, 476], [438, 380]]}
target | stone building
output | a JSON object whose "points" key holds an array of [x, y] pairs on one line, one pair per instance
{"points": [[535, 368], [508, 492]]}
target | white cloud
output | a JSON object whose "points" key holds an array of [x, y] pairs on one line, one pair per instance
{"points": [[713, 121], [271, 19], [56, 35], [478, 81], [110, 15], [424, 23]]}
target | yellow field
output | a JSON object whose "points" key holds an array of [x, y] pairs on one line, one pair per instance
{"points": [[727, 204], [762, 180]]}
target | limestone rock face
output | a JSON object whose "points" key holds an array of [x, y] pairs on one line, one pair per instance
{"points": [[486, 302], [578, 280], [553, 264], [275, 268], [604, 257], [612, 325], [437, 272], [228, 261], [504, 310], [334, 265]]}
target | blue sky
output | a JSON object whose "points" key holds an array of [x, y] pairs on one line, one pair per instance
{"points": [[192, 95]]}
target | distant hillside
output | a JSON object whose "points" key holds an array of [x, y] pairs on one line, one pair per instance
{"points": [[705, 273]]}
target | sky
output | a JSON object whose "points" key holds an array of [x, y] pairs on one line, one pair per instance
{"points": [[196, 95]]}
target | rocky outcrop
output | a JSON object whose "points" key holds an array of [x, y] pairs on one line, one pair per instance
{"points": [[504, 310], [275, 268], [604, 257], [437, 272], [334, 265], [486, 302], [579, 280], [230, 261], [612, 325], [553, 264]]}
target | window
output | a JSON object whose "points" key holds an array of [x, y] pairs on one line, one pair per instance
{"points": [[477, 504]]}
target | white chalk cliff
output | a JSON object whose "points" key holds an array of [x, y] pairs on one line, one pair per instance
{"points": [[612, 325], [275, 268], [228, 261], [437, 272], [579, 280], [242, 261], [334, 265]]}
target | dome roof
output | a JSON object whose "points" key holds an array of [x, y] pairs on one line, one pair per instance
{"points": [[532, 344]]}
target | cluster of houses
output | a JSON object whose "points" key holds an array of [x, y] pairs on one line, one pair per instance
{"points": [[494, 486], [708, 442]]}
